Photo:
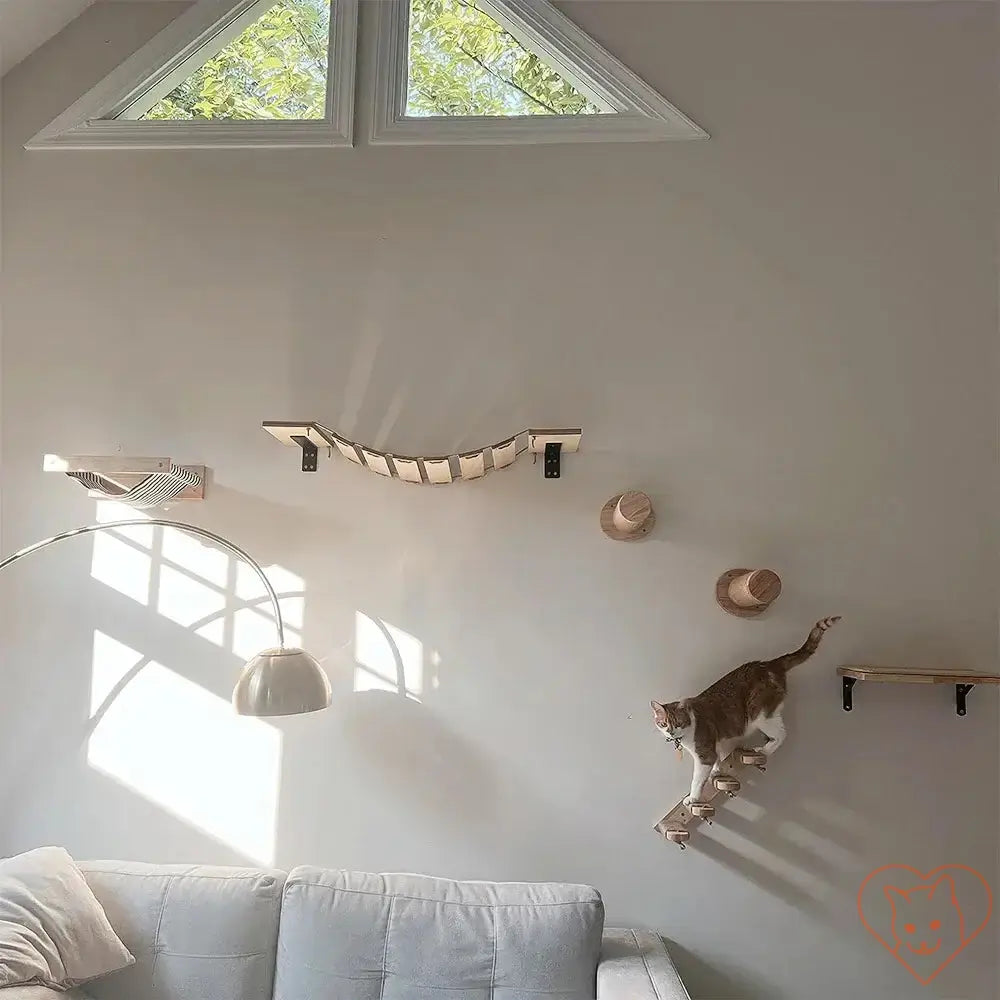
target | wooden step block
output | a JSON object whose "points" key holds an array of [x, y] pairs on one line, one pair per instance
{"points": [[727, 783], [703, 810], [680, 837]]}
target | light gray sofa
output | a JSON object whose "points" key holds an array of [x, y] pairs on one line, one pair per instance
{"points": [[201, 933]]}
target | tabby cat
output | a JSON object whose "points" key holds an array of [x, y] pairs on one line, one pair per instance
{"points": [[748, 699]]}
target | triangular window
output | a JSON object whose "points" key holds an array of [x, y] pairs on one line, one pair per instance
{"points": [[275, 68], [463, 62], [227, 73], [506, 71], [247, 73]]}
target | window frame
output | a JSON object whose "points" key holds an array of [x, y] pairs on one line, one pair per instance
{"points": [[642, 114], [91, 123]]}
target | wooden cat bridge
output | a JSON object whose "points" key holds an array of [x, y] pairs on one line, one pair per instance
{"points": [[674, 826], [311, 436]]}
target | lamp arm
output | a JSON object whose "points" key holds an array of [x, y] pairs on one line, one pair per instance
{"points": [[164, 523]]}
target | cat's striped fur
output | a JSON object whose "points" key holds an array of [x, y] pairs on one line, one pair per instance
{"points": [[748, 699]]}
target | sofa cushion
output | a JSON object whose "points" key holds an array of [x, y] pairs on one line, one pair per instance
{"points": [[197, 933], [40, 993], [354, 936]]}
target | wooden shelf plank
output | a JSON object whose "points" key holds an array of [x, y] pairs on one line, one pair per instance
{"points": [[902, 675]]}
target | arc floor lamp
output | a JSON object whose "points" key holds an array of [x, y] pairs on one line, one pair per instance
{"points": [[279, 681]]}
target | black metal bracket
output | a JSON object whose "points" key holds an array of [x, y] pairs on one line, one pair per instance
{"points": [[553, 455], [961, 690], [848, 687], [310, 453]]}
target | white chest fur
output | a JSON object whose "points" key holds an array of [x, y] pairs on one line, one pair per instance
{"points": [[757, 725]]}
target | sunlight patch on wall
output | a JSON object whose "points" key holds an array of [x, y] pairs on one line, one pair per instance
{"points": [[183, 748], [127, 568], [254, 627], [253, 632], [112, 510], [284, 581], [774, 867], [824, 847], [185, 600], [122, 567], [214, 631], [194, 584], [201, 560], [837, 814], [387, 658], [750, 811]]}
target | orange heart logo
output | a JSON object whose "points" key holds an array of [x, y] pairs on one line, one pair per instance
{"points": [[924, 921]]}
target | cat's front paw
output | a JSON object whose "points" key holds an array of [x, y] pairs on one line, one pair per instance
{"points": [[687, 800]]}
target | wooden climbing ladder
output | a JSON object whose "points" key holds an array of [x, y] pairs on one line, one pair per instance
{"points": [[674, 826]]}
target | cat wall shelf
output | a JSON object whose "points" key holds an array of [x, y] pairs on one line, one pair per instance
{"points": [[628, 517], [964, 683], [747, 593], [675, 825], [310, 437], [137, 482]]}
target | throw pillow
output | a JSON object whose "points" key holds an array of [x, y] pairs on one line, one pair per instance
{"points": [[53, 931]]}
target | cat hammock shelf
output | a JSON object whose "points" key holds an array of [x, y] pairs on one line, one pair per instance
{"points": [[674, 826], [964, 683], [137, 482], [310, 437]]}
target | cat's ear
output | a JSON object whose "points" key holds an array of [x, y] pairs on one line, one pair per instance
{"points": [[659, 711], [944, 886], [895, 895]]}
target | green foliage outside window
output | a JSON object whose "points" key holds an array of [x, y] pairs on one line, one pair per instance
{"points": [[461, 62], [275, 69]]}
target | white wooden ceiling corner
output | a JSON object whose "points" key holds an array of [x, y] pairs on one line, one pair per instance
{"points": [[26, 25]]}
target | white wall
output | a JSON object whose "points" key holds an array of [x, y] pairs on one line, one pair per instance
{"points": [[786, 335]]}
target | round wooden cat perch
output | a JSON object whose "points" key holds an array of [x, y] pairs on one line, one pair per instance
{"points": [[628, 517], [747, 593]]}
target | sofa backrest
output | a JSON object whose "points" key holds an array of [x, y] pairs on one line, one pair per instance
{"points": [[352, 936], [197, 933]]}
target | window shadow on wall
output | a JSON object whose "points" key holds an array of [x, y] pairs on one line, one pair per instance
{"points": [[138, 695]]}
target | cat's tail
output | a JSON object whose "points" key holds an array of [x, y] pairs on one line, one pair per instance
{"points": [[807, 648]]}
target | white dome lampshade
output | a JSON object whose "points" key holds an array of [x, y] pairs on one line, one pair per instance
{"points": [[281, 682]]}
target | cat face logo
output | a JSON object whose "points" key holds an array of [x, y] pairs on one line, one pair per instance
{"points": [[924, 925]]}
